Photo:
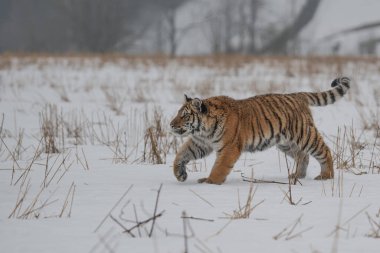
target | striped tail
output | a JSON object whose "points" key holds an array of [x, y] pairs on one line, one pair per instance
{"points": [[340, 87]]}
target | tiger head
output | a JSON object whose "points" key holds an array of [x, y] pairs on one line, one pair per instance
{"points": [[189, 117]]}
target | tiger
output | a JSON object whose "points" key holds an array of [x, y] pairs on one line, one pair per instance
{"points": [[229, 127]]}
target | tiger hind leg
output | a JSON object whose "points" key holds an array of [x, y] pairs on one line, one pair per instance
{"points": [[301, 158], [315, 146]]}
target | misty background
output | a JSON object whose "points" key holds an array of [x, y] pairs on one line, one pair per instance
{"points": [[191, 27]]}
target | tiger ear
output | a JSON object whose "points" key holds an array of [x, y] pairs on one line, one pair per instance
{"points": [[199, 105], [187, 99]]}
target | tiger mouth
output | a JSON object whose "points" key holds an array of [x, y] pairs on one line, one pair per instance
{"points": [[179, 131]]}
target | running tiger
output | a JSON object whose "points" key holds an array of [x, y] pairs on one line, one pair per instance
{"points": [[231, 126]]}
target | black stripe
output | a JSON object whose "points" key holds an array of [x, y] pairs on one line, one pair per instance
{"points": [[220, 137], [320, 152], [314, 143], [260, 130], [203, 152], [316, 146], [324, 96], [332, 96], [200, 149], [310, 97], [273, 110], [198, 121], [192, 152], [307, 139], [291, 108], [317, 98], [267, 121], [346, 85], [340, 90], [214, 130], [301, 134], [291, 101], [280, 107], [322, 158]]}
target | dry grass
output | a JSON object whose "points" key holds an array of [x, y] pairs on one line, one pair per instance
{"points": [[115, 100], [157, 141], [245, 211], [290, 232], [375, 226], [51, 129], [347, 149]]}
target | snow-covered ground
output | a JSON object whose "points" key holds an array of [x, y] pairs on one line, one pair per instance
{"points": [[101, 182]]}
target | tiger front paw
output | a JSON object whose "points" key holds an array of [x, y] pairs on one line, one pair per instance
{"points": [[209, 181], [324, 177], [181, 175]]}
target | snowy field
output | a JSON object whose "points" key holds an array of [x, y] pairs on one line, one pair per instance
{"points": [[86, 159]]}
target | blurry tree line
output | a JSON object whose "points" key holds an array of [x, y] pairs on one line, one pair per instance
{"points": [[124, 25]]}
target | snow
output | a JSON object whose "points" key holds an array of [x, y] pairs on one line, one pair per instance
{"points": [[137, 86]]}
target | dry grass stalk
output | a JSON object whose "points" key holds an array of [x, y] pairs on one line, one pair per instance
{"points": [[139, 225], [13, 159], [195, 218], [371, 121], [347, 142], [199, 196], [291, 181], [66, 202], [375, 227], [115, 100], [20, 199], [61, 90], [346, 223], [151, 139], [289, 232], [63, 163], [116, 204], [155, 211], [243, 212], [372, 166], [185, 237], [220, 230], [31, 211], [50, 128], [259, 181], [84, 164], [157, 142], [26, 172], [18, 149]]}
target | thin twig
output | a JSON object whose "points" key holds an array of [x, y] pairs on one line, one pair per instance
{"points": [[155, 211], [219, 231], [185, 232], [138, 228], [85, 159], [254, 180], [196, 218], [199, 196], [26, 172], [65, 202], [348, 220], [117, 203], [122, 226]]}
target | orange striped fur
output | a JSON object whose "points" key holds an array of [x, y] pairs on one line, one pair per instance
{"points": [[230, 127]]}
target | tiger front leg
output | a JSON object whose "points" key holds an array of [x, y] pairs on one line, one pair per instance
{"points": [[188, 152], [224, 162]]}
